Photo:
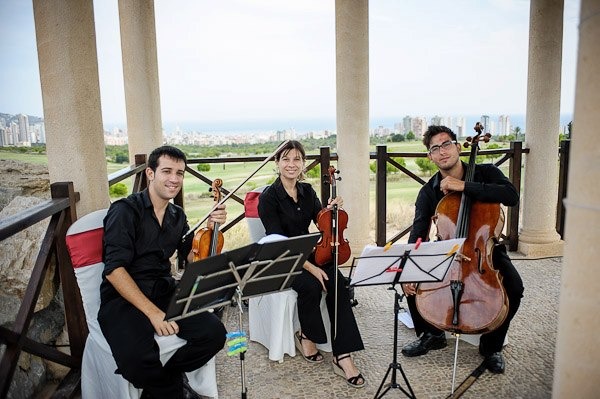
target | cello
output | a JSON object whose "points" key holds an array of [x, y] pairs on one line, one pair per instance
{"points": [[471, 298], [209, 241]]}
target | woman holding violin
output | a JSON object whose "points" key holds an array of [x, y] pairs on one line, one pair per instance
{"points": [[288, 207], [488, 185]]}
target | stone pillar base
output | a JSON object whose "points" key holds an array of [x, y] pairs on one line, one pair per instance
{"points": [[539, 250]]}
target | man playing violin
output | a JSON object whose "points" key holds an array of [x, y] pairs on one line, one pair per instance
{"points": [[489, 185], [288, 207], [141, 233]]}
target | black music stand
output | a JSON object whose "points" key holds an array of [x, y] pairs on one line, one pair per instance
{"points": [[233, 276], [411, 263]]}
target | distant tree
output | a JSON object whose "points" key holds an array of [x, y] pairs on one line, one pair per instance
{"points": [[396, 138], [203, 167], [517, 132], [492, 146], [570, 128], [410, 136], [314, 173], [117, 190], [426, 165], [389, 168], [121, 157]]}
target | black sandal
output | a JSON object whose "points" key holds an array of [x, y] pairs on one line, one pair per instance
{"points": [[352, 381], [315, 358]]}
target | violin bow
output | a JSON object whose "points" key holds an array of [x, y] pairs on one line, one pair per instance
{"points": [[334, 228], [225, 198]]}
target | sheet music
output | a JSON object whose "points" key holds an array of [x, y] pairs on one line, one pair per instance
{"points": [[429, 262]]}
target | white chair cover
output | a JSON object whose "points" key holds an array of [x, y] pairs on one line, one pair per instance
{"points": [[98, 378], [273, 318]]}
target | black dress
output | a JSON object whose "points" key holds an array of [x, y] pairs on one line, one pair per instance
{"points": [[280, 214]]}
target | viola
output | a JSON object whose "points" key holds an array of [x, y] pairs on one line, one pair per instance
{"points": [[471, 298], [332, 246], [209, 241]]}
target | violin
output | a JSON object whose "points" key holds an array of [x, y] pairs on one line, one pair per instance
{"points": [[332, 246], [471, 298], [209, 241]]}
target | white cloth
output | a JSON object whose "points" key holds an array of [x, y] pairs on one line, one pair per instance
{"points": [[273, 318], [98, 378]]}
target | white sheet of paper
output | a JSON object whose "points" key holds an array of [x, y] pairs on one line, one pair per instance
{"points": [[429, 262]]}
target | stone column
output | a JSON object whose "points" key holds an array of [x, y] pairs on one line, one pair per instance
{"points": [[140, 74], [352, 103], [66, 43], [538, 236], [577, 360]]}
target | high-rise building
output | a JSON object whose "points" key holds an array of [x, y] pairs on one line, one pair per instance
{"points": [[419, 126], [461, 126], [437, 120], [406, 124], [485, 121], [503, 125], [23, 128]]}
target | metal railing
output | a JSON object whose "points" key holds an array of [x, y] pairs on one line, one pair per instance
{"points": [[513, 155]]}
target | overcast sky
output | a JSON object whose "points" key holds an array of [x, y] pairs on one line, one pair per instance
{"points": [[239, 60]]}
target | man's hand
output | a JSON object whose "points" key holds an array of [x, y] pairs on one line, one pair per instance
{"points": [[161, 326], [219, 215], [318, 273], [409, 289], [449, 184]]}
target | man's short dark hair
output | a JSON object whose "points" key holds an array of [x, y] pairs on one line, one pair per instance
{"points": [[433, 130], [167, 150]]}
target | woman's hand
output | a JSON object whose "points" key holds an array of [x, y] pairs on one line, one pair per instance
{"points": [[318, 273], [219, 215], [339, 201]]}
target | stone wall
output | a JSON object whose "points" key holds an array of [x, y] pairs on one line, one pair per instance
{"points": [[23, 185]]}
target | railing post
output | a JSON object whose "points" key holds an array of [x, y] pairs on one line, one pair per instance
{"points": [[380, 195], [74, 313], [140, 182], [563, 175], [514, 174], [325, 160]]}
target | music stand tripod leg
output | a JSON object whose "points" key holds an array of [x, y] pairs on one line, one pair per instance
{"points": [[395, 365], [242, 354]]}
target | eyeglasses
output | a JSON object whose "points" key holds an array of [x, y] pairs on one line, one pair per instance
{"points": [[435, 149]]}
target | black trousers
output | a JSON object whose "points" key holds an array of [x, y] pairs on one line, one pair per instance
{"points": [[130, 336], [513, 285], [309, 291]]}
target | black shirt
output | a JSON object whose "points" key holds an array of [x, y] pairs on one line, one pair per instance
{"points": [[134, 239], [280, 214], [489, 185]]}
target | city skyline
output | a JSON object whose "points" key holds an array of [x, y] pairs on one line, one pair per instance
{"points": [[19, 130], [255, 61]]}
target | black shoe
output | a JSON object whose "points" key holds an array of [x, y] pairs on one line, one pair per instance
{"points": [[188, 392], [495, 363], [426, 343]]}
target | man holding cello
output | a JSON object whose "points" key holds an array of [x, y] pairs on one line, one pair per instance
{"points": [[489, 185]]}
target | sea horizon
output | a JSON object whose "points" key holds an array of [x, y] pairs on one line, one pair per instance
{"points": [[300, 126]]}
